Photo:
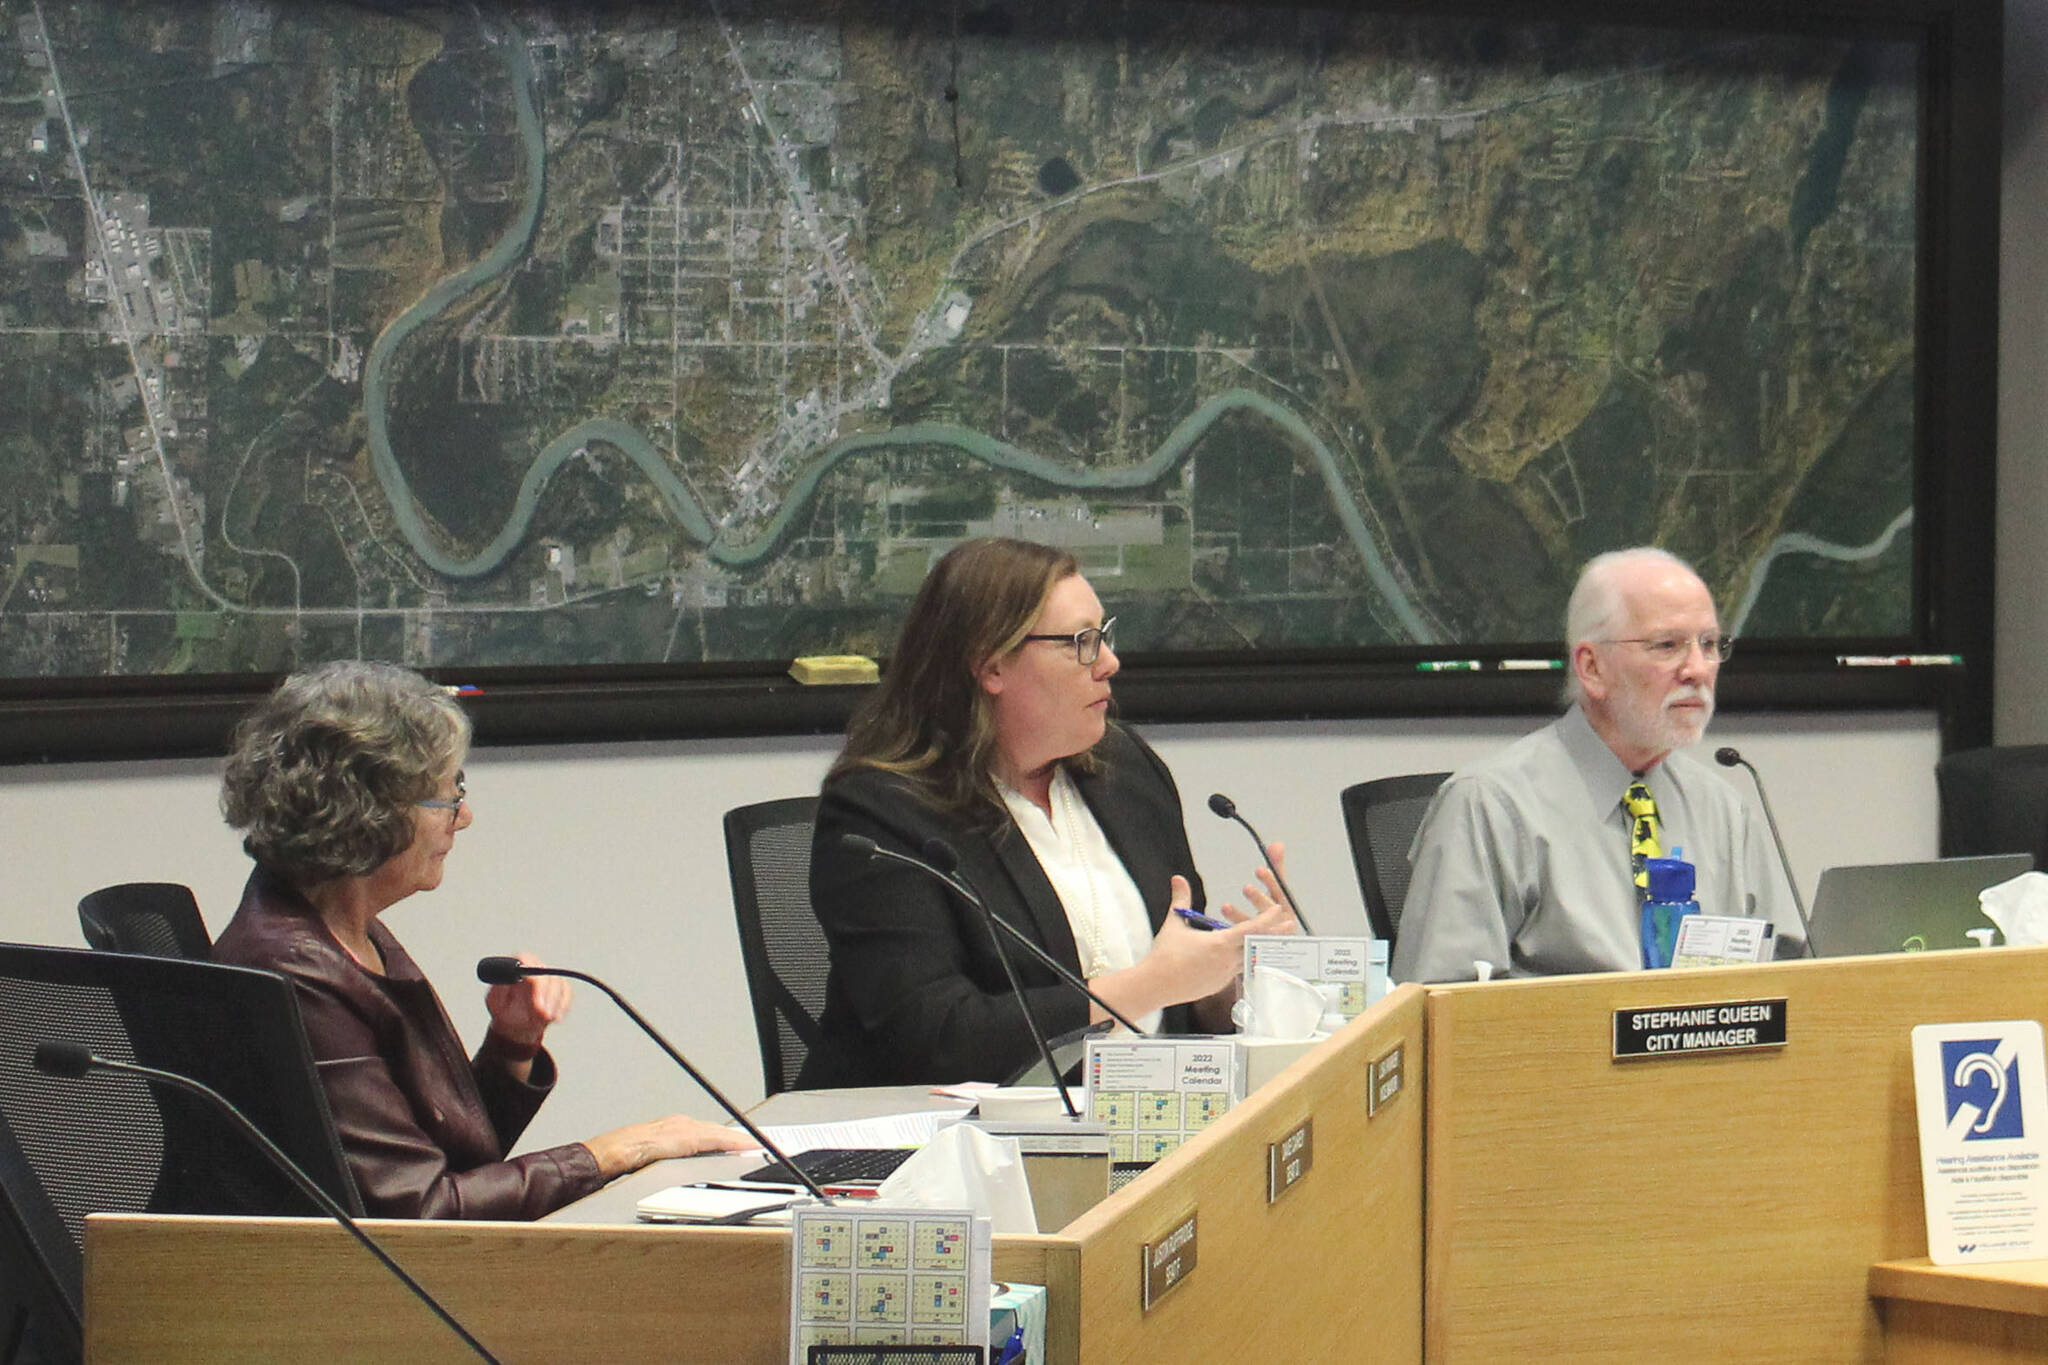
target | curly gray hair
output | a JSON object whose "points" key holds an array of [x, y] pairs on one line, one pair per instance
{"points": [[322, 775]]}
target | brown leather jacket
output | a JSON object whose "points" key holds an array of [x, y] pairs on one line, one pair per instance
{"points": [[425, 1128]]}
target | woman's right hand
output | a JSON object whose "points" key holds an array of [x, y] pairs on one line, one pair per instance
{"points": [[1186, 963], [625, 1150], [1191, 963]]}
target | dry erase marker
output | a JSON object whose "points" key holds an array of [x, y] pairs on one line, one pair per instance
{"points": [[1899, 660], [1448, 666], [1531, 665]]}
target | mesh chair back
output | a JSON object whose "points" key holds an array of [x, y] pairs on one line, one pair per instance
{"points": [[39, 1309], [114, 1143], [1994, 800], [768, 849], [157, 919], [1381, 818]]}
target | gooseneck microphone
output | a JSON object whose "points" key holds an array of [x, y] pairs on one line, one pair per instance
{"points": [[1226, 808], [509, 971], [1729, 757], [56, 1057]]}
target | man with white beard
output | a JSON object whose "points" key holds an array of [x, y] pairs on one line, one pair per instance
{"points": [[1527, 860]]}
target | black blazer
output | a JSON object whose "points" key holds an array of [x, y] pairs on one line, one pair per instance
{"points": [[916, 992]]}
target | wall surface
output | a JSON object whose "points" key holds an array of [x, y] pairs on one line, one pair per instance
{"points": [[612, 859], [2021, 711]]}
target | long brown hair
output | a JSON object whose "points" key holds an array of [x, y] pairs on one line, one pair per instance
{"points": [[930, 719]]}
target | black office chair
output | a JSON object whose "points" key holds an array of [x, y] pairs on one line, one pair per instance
{"points": [[768, 849], [1994, 800], [113, 1143], [1381, 818], [159, 919]]}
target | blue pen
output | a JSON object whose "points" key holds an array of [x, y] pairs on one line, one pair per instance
{"points": [[1198, 919]]}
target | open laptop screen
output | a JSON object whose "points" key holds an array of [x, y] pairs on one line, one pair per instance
{"points": [[1906, 907]]}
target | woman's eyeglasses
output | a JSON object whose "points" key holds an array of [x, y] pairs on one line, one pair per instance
{"points": [[1087, 643], [454, 808]]}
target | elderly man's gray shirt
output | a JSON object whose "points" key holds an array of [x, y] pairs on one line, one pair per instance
{"points": [[1523, 860]]}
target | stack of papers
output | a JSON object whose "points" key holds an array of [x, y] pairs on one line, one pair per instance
{"points": [[890, 1130]]}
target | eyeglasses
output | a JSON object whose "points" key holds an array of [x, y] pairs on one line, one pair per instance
{"points": [[1669, 649], [454, 808], [1087, 643]]}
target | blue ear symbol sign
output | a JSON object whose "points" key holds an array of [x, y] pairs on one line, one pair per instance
{"points": [[1980, 1064], [1981, 1080]]}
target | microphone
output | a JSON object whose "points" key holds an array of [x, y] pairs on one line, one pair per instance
{"points": [[1728, 757], [509, 971], [862, 846], [1227, 809], [58, 1057], [941, 861]]}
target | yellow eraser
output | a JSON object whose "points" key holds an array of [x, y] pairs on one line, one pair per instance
{"points": [[830, 669]]}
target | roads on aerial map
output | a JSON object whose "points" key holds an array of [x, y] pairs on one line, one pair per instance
{"points": [[589, 334]]}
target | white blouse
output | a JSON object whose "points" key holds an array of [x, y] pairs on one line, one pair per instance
{"points": [[1103, 905]]}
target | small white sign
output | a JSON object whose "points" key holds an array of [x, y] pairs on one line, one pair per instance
{"points": [[1983, 1109], [1721, 940], [1354, 970]]}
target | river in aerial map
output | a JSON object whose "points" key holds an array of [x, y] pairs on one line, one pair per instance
{"points": [[672, 334]]}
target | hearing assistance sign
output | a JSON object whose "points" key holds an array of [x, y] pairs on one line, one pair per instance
{"points": [[1983, 1109]]}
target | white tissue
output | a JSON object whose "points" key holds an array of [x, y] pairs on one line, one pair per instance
{"points": [[2019, 908], [964, 1168], [1279, 1004]]}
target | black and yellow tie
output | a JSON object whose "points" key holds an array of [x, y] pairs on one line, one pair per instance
{"points": [[1644, 842]]}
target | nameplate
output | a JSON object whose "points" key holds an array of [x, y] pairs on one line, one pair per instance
{"points": [[1689, 1030], [1169, 1260], [1383, 1081], [1289, 1159]]}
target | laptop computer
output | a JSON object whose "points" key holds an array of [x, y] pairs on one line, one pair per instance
{"points": [[1906, 907]]}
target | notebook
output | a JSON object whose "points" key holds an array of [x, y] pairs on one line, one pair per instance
{"points": [[1906, 907]]}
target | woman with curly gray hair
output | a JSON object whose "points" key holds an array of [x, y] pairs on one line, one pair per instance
{"points": [[347, 785]]}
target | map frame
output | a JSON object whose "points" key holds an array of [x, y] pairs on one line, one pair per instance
{"points": [[70, 718]]}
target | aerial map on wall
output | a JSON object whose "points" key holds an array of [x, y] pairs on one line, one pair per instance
{"points": [[691, 333]]}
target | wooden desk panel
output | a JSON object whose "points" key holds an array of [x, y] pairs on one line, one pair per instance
{"points": [[1332, 1271], [1719, 1208], [167, 1290]]}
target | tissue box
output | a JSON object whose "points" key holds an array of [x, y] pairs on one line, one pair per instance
{"points": [[1265, 1058], [1066, 1163], [1012, 1306]]}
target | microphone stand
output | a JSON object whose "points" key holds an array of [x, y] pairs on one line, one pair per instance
{"points": [[505, 971], [1227, 808], [69, 1059], [860, 844], [1728, 757]]}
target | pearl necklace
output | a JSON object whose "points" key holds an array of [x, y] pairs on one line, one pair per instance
{"points": [[1088, 924]]}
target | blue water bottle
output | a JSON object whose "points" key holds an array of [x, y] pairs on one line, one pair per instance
{"points": [[1671, 900]]}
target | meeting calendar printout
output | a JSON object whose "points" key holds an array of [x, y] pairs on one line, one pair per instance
{"points": [[863, 1275]]}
